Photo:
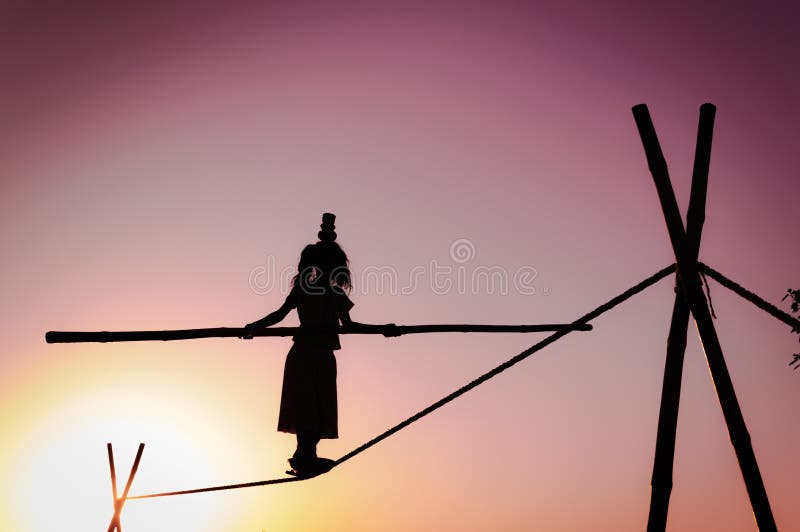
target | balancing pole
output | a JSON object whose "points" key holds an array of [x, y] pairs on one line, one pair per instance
{"points": [[661, 482], [60, 337], [691, 285]]}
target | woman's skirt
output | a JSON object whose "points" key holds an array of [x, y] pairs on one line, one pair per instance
{"points": [[308, 398]]}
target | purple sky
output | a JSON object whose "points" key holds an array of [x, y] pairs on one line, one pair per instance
{"points": [[156, 157]]}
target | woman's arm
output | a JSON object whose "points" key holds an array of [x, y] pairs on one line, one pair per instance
{"points": [[390, 329], [273, 317], [348, 322]]}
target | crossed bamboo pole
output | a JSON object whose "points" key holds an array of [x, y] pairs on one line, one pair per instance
{"points": [[684, 247], [119, 502], [676, 340]]}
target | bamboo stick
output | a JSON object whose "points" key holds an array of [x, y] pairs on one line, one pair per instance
{"points": [[55, 337]]}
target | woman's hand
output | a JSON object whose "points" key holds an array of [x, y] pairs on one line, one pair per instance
{"points": [[247, 334], [390, 330]]}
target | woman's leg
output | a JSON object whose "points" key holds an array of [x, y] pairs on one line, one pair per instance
{"points": [[305, 459], [306, 444]]}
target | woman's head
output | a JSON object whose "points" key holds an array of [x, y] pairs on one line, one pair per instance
{"points": [[324, 264]]}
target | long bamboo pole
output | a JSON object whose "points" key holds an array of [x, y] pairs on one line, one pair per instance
{"points": [[676, 340], [57, 337], [690, 283]]}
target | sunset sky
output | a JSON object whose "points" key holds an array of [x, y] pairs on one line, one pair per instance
{"points": [[163, 166]]}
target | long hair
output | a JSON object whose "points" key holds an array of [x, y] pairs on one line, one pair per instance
{"points": [[323, 265]]}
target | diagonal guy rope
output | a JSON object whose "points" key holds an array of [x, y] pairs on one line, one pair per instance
{"points": [[454, 395], [761, 303]]}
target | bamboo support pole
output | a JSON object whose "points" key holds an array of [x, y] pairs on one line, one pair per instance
{"points": [[55, 337], [115, 520], [663, 461], [690, 283], [120, 502]]}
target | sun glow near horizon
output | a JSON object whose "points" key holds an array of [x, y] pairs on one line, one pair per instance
{"points": [[62, 435]]}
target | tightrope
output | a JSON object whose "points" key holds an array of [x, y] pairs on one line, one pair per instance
{"points": [[575, 325]]}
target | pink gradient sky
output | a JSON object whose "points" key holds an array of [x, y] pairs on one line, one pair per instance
{"points": [[153, 157]]}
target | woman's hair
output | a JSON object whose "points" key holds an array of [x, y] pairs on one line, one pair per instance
{"points": [[324, 264]]}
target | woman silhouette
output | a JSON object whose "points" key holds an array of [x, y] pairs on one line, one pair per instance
{"points": [[308, 399]]}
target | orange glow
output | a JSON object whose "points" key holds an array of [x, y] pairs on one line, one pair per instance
{"points": [[59, 473]]}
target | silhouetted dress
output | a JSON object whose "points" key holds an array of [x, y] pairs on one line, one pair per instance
{"points": [[308, 398]]}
